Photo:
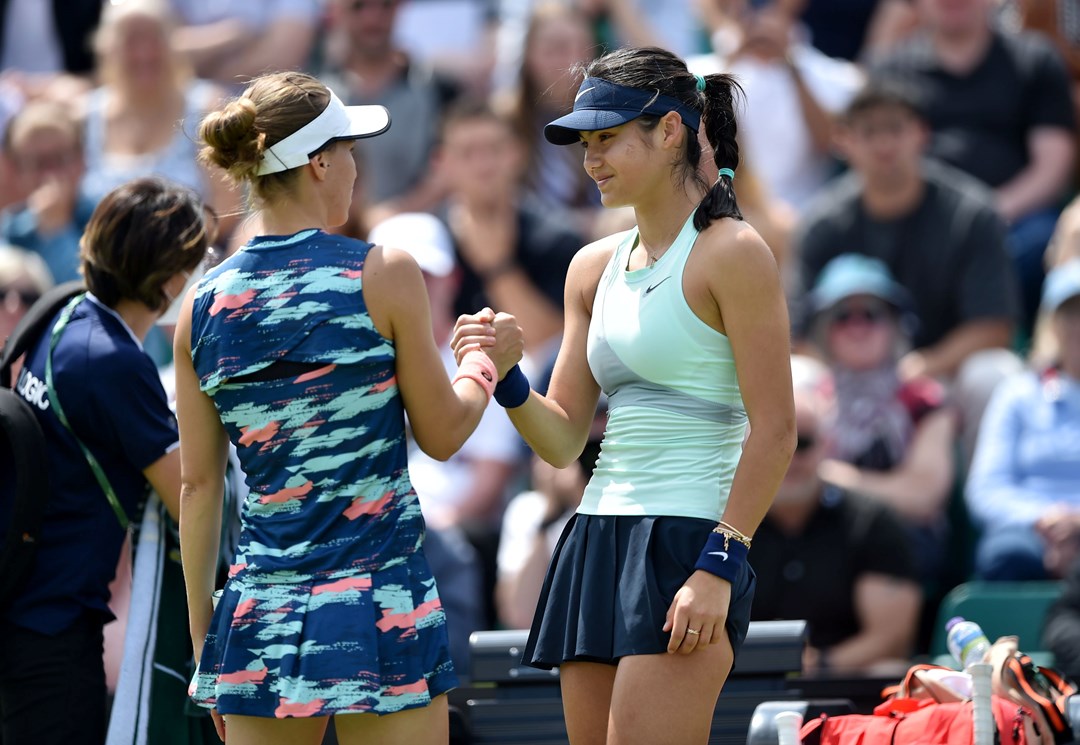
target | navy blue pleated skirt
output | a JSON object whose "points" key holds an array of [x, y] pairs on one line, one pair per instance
{"points": [[609, 586]]}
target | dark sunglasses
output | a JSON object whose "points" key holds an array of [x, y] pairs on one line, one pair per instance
{"points": [[357, 5], [804, 443], [16, 294], [864, 315]]}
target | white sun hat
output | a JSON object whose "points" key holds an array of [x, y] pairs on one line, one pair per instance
{"points": [[336, 122]]}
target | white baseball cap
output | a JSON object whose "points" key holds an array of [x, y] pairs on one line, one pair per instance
{"points": [[423, 236], [336, 122]]}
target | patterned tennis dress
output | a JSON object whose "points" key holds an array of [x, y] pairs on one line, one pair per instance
{"points": [[330, 606]]}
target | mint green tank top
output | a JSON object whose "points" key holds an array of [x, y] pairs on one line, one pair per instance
{"points": [[676, 419]]}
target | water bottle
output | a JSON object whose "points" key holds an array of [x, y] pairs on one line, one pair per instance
{"points": [[966, 642]]}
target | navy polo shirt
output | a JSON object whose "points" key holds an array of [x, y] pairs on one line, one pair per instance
{"points": [[110, 391]]}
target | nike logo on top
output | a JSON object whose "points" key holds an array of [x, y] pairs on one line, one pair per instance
{"points": [[721, 554], [582, 93], [653, 287]]}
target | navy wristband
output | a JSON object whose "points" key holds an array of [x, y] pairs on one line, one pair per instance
{"points": [[513, 390], [725, 562]]}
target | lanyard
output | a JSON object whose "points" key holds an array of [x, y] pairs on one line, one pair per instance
{"points": [[54, 401]]}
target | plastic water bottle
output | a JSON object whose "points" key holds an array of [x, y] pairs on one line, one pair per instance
{"points": [[966, 642]]}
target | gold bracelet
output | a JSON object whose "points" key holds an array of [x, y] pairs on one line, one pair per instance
{"points": [[730, 532]]}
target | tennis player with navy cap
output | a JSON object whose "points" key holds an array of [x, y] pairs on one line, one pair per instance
{"points": [[682, 323], [306, 350]]}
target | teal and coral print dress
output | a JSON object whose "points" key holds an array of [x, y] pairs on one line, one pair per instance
{"points": [[330, 606]]}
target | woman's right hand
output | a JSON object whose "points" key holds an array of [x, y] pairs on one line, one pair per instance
{"points": [[472, 331], [497, 334]]}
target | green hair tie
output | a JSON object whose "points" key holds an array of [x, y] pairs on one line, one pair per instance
{"points": [[700, 82], [726, 172]]}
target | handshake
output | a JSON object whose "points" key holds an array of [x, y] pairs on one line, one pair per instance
{"points": [[498, 335]]}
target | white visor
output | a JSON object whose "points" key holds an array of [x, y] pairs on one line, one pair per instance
{"points": [[336, 122]]}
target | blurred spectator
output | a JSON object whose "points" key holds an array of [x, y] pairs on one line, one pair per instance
{"points": [[142, 119], [855, 29], [999, 106], [793, 93], [23, 279], [1024, 486], [670, 24], [48, 36], [44, 145], [892, 439], [837, 559], [456, 37], [559, 41], [1059, 20], [937, 232], [231, 41], [514, 256], [462, 498], [365, 66]]}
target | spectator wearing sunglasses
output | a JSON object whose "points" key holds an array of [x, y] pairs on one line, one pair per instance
{"points": [[937, 231], [834, 557], [892, 438]]}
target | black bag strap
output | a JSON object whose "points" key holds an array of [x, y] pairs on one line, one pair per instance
{"points": [[31, 326]]}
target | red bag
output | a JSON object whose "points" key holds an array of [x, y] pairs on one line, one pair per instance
{"points": [[915, 716]]}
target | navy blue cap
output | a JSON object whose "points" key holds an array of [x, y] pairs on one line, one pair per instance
{"points": [[600, 104]]}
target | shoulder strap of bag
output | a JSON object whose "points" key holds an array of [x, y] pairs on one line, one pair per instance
{"points": [[1043, 691], [32, 325], [54, 401]]}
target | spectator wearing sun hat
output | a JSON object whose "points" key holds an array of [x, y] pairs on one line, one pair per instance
{"points": [[891, 438]]}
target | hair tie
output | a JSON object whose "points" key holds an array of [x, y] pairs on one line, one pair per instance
{"points": [[700, 82], [725, 172]]}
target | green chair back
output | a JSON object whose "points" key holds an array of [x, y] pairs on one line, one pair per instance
{"points": [[1000, 608]]}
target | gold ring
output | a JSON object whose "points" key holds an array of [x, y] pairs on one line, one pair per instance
{"points": [[693, 631]]}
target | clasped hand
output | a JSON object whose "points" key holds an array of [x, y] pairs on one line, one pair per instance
{"points": [[496, 334]]}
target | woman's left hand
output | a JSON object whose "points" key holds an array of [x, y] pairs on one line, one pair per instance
{"points": [[698, 614]]}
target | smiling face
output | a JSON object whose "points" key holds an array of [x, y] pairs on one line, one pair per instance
{"points": [[625, 163]]}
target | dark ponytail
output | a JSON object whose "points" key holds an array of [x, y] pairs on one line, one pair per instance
{"points": [[654, 69], [721, 129]]}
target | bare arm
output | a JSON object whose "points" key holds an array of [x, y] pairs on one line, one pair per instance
{"points": [[203, 454], [755, 320], [918, 487], [888, 610], [945, 357], [557, 426], [442, 415], [1046, 177], [283, 45], [164, 475]]}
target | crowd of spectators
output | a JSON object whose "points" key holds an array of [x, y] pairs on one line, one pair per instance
{"points": [[910, 164]]}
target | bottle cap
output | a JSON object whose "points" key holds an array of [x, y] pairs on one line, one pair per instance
{"points": [[952, 622]]}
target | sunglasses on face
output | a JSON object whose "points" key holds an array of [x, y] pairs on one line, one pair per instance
{"points": [[358, 5], [13, 297], [870, 315]]}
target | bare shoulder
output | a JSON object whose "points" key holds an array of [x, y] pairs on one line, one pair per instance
{"points": [[734, 251], [392, 283], [588, 265]]}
